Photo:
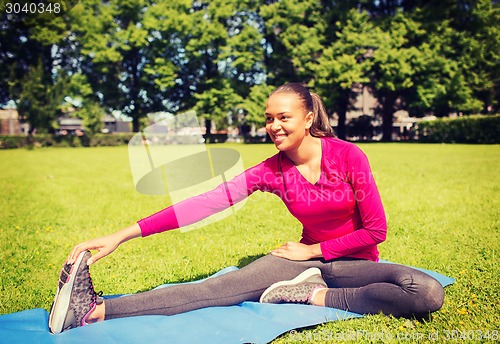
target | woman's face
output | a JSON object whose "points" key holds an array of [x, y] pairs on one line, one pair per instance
{"points": [[286, 120]]}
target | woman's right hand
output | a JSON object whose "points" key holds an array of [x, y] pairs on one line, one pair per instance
{"points": [[104, 245]]}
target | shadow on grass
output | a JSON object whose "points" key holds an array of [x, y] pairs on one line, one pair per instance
{"points": [[247, 260]]}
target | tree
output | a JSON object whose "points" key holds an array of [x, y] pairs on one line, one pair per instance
{"points": [[393, 66], [29, 46], [140, 56], [226, 50], [242, 56], [125, 56], [20, 53], [439, 84], [39, 102], [217, 104], [254, 105], [344, 64], [361, 127], [92, 115], [460, 42], [472, 39], [79, 91], [276, 17]]}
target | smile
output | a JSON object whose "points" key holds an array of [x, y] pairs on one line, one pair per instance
{"points": [[280, 136]]}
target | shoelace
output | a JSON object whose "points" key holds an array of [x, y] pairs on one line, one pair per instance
{"points": [[96, 296], [91, 289], [99, 298]]}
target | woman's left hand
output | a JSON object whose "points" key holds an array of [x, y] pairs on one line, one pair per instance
{"points": [[297, 251]]}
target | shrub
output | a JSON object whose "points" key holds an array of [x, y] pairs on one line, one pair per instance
{"points": [[48, 140], [12, 141], [110, 139], [469, 129]]}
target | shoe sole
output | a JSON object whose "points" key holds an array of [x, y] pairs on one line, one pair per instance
{"points": [[299, 279], [60, 306]]}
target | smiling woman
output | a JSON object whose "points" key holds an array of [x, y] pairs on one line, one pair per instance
{"points": [[295, 99], [326, 183], [296, 117]]}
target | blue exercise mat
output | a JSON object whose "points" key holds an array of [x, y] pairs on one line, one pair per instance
{"points": [[248, 322]]}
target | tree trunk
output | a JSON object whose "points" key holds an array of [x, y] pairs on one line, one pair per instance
{"points": [[135, 88], [342, 113], [389, 99], [208, 128], [135, 124], [343, 104]]}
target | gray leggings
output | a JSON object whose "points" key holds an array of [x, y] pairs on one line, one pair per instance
{"points": [[359, 286]]}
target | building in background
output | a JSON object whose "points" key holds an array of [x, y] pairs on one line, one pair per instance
{"points": [[10, 123], [74, 126]]}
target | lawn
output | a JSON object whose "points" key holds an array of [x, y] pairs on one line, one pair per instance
{"points": [[442, 204]]}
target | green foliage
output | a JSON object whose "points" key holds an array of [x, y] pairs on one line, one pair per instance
{"points": [[441, 85], [345, 64], [38, 101], [116, 139], [142, 56], [394, 58], [12, 141], [254, 104], [218, 103], [92, 115], [467, 129], [244, 52]]}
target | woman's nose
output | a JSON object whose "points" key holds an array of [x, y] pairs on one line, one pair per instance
{"points": [[276, 125]]}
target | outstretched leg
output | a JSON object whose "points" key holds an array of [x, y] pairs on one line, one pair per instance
{"points": [[246, 284]]}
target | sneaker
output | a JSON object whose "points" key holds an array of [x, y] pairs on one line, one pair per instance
{"points": [[298, 290], [75, 297]]}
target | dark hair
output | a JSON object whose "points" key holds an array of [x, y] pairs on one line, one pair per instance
{"points": [[312, 102]]}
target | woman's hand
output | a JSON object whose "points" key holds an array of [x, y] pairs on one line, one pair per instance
{"points": [[104, 245], [298, 251]]}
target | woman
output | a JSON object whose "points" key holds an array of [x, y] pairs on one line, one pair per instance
{"points": [[327, 184]]}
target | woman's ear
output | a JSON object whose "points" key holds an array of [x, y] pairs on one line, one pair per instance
{"points": [[309, 119]]}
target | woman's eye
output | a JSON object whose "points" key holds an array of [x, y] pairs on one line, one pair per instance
{"points": [[269, 119]]}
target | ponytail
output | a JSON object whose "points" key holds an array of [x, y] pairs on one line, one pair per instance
{"points": [[321, 124], [312, 102]]}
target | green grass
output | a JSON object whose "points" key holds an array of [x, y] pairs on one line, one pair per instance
{"points": [[442, 203]]}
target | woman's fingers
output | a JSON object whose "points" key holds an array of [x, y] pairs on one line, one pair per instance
{"points": [[100, 254], [293, 251], [104, 246], [89, 245]]}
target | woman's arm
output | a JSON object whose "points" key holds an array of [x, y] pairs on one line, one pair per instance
{"points": [[105, 245], [181, 214], [373, 228], [373, 221], [200, 207]]}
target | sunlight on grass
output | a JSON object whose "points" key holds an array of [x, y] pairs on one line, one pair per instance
{"points": [[441, 201]]}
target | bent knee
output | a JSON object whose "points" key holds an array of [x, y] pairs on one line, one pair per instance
{"points": [[430, 298], [435, 295]]}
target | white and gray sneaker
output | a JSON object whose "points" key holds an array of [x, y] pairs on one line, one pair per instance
{"points": [[298, 290], [75, 296]]}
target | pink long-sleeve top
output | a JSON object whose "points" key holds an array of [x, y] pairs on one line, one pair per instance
{"points": [[342, 211]]}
